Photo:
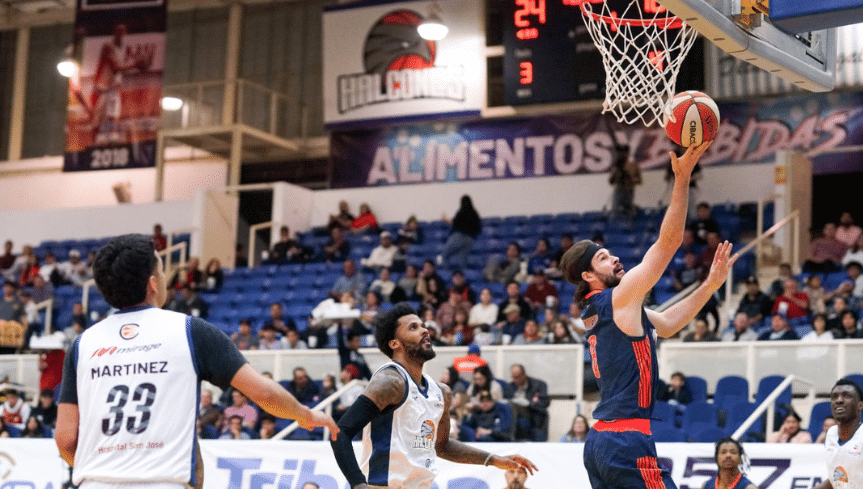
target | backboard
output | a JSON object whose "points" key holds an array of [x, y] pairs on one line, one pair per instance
{"points": [[742, 28]]}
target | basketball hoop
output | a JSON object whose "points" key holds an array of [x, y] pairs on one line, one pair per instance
{"points": [[642, 51]]}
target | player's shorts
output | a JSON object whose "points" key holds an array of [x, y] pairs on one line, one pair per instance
{"points": [[621, 454]]}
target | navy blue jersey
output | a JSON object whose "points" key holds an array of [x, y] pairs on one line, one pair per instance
{"points": [[624, 366], [742, 483]]}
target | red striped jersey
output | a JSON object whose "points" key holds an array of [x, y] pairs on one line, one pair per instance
{"points": [[625, 367]]}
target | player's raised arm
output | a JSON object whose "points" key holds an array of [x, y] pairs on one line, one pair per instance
{"points": [[638, 281], [456, 451], [387, 388]]}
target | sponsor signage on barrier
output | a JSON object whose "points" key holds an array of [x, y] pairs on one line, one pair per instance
{"points": [[378, 68], [35, 464], [435, 152]]}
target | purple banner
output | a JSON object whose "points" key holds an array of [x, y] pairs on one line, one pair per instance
{"points": [[547, 146]]}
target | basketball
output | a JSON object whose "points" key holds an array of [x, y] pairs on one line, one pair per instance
{"points": [[695, 119]]}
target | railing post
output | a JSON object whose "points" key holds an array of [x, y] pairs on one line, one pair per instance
{"points": [[759, 230], [795, 241], [274, 111]]}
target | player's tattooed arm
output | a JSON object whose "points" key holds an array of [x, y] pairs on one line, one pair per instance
{"points": [[386, 388]]}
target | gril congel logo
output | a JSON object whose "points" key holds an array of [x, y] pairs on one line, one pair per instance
{"points": [[399, 65]]}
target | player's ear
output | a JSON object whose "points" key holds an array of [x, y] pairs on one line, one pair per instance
{"points": [[587, 276], [394, 344]]}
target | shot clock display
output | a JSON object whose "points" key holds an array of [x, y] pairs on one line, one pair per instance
{"points": [[549, 55]]}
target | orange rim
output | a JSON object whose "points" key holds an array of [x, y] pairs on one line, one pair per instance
{"points": [[662, 23]]}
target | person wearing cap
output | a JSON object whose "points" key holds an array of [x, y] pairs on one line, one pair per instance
{"points": [[779, 330], [754, 303], [14, 411], [382, 255], [75, 270], [620, 451], [467, 364], [511, 326], [349, 373], [491, 422]]}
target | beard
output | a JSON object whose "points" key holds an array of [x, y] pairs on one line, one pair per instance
{"points": [[420, 354], [610, 280]]}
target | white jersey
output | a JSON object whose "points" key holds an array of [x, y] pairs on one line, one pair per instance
{"points": [[137, 390], [845, 460], [399, 445]]}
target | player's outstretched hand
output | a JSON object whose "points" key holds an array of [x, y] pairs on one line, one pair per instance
{"points": [[722, 262], [684, 165], [514, 462], [319, 418]]}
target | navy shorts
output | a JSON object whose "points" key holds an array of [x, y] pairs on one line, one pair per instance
{"points": [[623, 459]]}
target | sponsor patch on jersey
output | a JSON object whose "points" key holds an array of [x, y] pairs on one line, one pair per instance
{"points": [[128, 331], [426, 437], [839, 475]]}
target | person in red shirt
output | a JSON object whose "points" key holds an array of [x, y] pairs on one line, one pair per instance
{"points": [[159, 240], [465, 365], [539, 290], [51, 366], [366, 221], [792, 303]]}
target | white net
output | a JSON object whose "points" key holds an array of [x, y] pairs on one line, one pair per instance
{"points": [[642, 52]]}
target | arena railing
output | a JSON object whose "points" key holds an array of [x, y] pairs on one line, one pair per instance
{"points": [[769, 405], [48, 306], [325, 405]]}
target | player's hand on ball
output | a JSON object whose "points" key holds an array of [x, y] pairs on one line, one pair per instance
{"points": [[319, 418], [514, 462], [684, 165]]}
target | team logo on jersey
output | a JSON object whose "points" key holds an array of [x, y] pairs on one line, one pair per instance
{"points": [[590, 322], [426, 437], [839, 474], [128, 331]]}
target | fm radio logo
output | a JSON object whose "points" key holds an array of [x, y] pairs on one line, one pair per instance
{"points": [[399, 65]]}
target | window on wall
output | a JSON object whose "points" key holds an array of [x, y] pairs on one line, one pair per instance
{"points": [[47, 92], [7, 70]]}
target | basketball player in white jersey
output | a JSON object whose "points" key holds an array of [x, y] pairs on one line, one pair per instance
{"points": [[131, 383], [844, 441], [404, 415], [112, 64]]}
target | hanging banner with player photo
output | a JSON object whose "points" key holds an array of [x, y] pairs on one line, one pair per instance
{"points": [[116, 91]]}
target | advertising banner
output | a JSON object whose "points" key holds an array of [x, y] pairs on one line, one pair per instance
{"points": [[750, 132], [255, 464], [115, 94], [377, 68]]}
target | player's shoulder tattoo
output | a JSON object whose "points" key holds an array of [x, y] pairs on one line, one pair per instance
{"points": [[386, 388]]}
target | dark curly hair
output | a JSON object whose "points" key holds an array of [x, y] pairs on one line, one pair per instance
{"points": [[387, 323], [854, 385], [122, 269]]}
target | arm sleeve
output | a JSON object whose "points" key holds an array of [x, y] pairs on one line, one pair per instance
{"points": [[215, 355], [361, 412], [69, 387]]}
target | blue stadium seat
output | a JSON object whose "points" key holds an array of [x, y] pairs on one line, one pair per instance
{"points": [[698, 387], [699, 412], [816, 418], [766, 385], [738, 413], [708, 435], [731, 386], [669, 435], [663, 412]]}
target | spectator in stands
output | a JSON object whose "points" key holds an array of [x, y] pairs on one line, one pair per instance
{"points": [[366, 222], [705, 259], [49, 270], [408, 282], [343, 219], [383, 285], [21, 262], [687, 274], [490, 421], [451, 379], [302, 387], [430, 293], [371, 308], [834, 314], [41, 290], [7, 259], [559, 334], [700, 332], [540, 291], [31, 312], [349, 373], [550, 316], [240, 407], [819, 329], [188, 302], [703, 224], [30, 270], [576, 325], [160, 241], [268, 427], [188, 275], [208, 412], [829, 422], [578, 431], [790, 431], [779, 330], [446, 311], [504, 269], [853, 284], [350, 281], [288, 249], [850, 328], [465, 227], [625, 175], [459, 334], [75, 271], [46, 410], [528, 397], [854, 253], [792, 303], [15, 411], [514, 297], [240, 259], [505, 331], [676, 392], [382, 255], [349, 352], [460, 285], [214, 277], [754, 303], [11, 308], [566, 241], [816, 294], [741, 329], [530, 336], [483, 312], [337, 248], [541, 257], [278, 320], [33, 428], [411, 230], [74, 331], [825, 252], [235, 429], [400, 258], [293, 341], [847, 231], [483, 381], [268, 338], [777, 287], [467, 364]]}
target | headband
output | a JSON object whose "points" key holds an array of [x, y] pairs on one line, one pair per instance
{"points": [[586, 258]]}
